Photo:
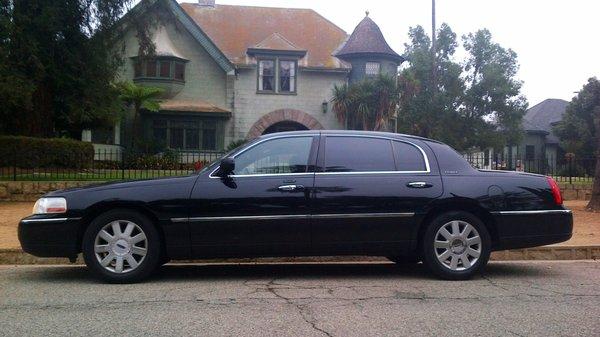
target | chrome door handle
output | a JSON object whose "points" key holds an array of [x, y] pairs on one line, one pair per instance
{"points": [[418, 184], [288, 188]]}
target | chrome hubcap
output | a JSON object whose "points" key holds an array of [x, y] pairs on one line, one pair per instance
{"points": [[457, 245], [120, 246]]}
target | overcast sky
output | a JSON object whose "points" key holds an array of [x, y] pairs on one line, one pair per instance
{"points": [[557, 42]]}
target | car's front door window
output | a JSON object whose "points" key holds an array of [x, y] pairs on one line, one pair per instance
{"points": [[276, 156]]}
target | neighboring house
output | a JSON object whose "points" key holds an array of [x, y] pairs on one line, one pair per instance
{"points": [[235, 72], [539, 149], [539, 145]]}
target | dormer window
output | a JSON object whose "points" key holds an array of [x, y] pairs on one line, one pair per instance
{"points": [[277, 75], [372, 68], [160, 68]]}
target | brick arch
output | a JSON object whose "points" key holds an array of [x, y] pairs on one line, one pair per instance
{"points": [[281, 115]]}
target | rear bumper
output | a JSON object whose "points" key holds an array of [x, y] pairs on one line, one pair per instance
{"points": [[522, 229], [49, 235]]}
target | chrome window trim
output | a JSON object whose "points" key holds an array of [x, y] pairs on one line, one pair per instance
{"points": [[264, 174], [294, 216], [425, 157], [48, 220], [541, 211]]}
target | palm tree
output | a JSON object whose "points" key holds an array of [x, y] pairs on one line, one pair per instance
{"points": [[139, 97], [368, 104]]}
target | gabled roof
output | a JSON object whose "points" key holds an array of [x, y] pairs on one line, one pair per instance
{"points": [[234, 29], [542, 116], [367, 39], [276, 42]]}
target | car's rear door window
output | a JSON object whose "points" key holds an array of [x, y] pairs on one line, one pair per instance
{"points": [[275, 156], [358, 154], [408, 157]]}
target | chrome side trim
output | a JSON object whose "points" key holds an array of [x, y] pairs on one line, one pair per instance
{"points": [[48, 220], [364, 215], [248, 217], [293, 216], [542, 211]]}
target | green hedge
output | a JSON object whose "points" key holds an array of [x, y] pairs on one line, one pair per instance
{"points": [[29, 152]]}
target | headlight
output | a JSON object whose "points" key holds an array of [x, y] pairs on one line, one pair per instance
{"points": [[50, 205]]}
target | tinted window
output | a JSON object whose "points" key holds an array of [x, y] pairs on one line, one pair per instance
{"points": [[408, 157], [358, 154], [283, 155]]}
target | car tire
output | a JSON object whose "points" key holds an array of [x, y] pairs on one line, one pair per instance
{"points": [[456, 245], [122, 246]]}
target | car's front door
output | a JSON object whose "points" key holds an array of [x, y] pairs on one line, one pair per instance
{"points": [[261, 209], [370, 193]]}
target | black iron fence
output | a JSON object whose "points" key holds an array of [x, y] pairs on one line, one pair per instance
{"points": [[118, 164], [564, 169], [110, 164]]}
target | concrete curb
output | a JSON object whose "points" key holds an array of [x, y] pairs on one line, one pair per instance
{"points": [[16, 256]]}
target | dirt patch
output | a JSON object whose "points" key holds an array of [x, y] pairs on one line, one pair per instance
{"points": [[586, 225], [586, 228], [10, 214]]}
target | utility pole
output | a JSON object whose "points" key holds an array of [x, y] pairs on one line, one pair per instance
{"points": [[433, 46]]}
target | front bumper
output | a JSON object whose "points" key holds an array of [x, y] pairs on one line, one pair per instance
{"points": [[49, 235], [522, 229]]}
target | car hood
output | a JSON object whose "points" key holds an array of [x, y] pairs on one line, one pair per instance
{"points": [[122, 185]]}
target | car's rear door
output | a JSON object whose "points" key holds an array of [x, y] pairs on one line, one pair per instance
{"points": [[263, 208], [370, 192]]}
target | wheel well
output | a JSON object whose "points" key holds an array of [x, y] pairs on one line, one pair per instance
{"points": [[98, 210], [474, 209]]}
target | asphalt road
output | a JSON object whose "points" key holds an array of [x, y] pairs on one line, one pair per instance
{"points": [[519, 298]]}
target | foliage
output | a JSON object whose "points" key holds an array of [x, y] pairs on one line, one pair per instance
{"points": [[366, 105], [138, 98], [57, 62], [235, 144], [473, 104], [576, 130], [579, 131], [29, 152]]}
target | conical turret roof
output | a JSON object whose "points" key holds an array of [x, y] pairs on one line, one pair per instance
{"points": [[367, 39]]}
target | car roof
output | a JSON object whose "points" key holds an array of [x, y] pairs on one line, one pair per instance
{"points": [[347, 132]]}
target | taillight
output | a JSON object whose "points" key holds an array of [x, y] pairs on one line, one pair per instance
{"points": [[555, 191]]}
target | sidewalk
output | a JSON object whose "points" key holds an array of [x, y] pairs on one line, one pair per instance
{"points": [[585, 243]]}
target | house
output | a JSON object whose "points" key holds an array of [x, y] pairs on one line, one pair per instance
{"points": [[237, 72], [539, 148]]}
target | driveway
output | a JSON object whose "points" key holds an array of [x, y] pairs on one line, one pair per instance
{"points": [[514, 298]]}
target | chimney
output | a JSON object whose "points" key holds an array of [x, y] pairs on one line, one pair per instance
{"points": [[206, 3]]}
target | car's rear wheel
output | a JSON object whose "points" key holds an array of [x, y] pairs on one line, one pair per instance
{"points": [[121, 246], [456, 245]]}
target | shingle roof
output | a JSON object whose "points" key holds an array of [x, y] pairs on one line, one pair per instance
{"points": [[543, 115], [367, 39], [234, 29]]}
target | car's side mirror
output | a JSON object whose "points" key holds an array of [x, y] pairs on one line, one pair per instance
{"points": [[226, 167]]}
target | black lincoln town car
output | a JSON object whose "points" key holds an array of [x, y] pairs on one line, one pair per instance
{"points": [[305, 193]]}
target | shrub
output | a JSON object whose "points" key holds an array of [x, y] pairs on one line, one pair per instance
{"points": [[29, 152]]}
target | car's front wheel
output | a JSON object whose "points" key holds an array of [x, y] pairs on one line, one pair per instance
{"points": [[121, 246], [456, 245]]}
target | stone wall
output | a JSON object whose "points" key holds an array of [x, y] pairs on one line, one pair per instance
{"points": [[31, 190], [576, 191]]}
